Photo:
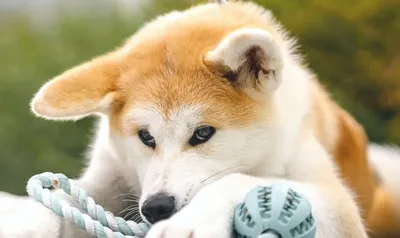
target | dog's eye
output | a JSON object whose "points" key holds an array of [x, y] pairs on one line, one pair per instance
{"points": [[147, 138], [201, 135]]}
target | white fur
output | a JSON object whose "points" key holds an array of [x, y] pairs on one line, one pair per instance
{"points": [[278, 149], [163, 172], [218, 200], [232, 49], [21, 217], [195, 218]]}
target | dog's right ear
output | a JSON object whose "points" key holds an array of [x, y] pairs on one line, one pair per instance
{"points": [[86, 89]]}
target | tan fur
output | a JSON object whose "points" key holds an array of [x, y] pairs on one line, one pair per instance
{"points": [[383, 221], [70, 93], [149, 72], [345, 138], [167, 68]]}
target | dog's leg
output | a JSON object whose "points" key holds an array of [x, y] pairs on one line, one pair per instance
{"points": [[211, 211]]}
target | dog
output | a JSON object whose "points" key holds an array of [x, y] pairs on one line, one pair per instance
{"points": [[198, 107]]}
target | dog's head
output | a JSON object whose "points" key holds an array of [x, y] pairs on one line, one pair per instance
{"points": [[189, 98]]}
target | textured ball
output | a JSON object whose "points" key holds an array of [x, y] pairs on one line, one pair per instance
{"points": [[275, 211]]}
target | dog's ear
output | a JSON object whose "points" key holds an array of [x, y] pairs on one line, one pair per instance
{"points": [[81, 91], [249, 58]]}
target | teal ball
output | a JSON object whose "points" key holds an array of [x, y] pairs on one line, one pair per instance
{"points": [[274, 211]]}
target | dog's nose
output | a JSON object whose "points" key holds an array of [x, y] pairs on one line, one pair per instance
{"points": [[158, 207]]}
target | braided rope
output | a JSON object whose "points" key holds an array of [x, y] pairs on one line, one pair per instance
{"points": [[97, 222]]}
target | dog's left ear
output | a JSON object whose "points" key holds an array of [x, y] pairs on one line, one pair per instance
{"points": [[248, 58]]}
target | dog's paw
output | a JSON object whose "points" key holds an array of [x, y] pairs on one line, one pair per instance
{"points": [[176, 229]]}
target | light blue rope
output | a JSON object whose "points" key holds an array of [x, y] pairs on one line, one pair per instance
{"points": [[94, 219]]}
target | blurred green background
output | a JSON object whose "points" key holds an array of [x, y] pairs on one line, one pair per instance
{"points": [[354, 47]]}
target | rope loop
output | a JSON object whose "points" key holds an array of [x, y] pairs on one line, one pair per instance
{"points": [[88, 216]]}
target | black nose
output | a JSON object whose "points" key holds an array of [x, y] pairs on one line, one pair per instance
{"points": [[158, 207]]}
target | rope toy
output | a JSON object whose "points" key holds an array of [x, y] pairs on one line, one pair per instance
{"points": [[267, 212], [97, 222]]}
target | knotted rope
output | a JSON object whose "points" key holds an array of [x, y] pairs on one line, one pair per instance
{"points": [[94, 219]]}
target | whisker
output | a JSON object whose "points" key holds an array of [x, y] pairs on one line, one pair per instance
{"points": [[133, 206], [221, 171], [132, 195], [125, 210], [130, 213], [137, 218], [119, 195], [130, 200], [137, 215], [135, 209]]}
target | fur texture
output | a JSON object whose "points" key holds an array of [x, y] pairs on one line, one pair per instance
{"points": [[233, 67]]}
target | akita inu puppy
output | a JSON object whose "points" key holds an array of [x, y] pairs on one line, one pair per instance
{"points": [[199, 107]]}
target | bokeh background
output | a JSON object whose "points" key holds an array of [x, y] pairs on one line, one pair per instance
{"points": [[353, 46]]}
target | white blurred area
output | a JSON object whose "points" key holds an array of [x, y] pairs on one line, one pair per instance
{"points": [[41, 11]]}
